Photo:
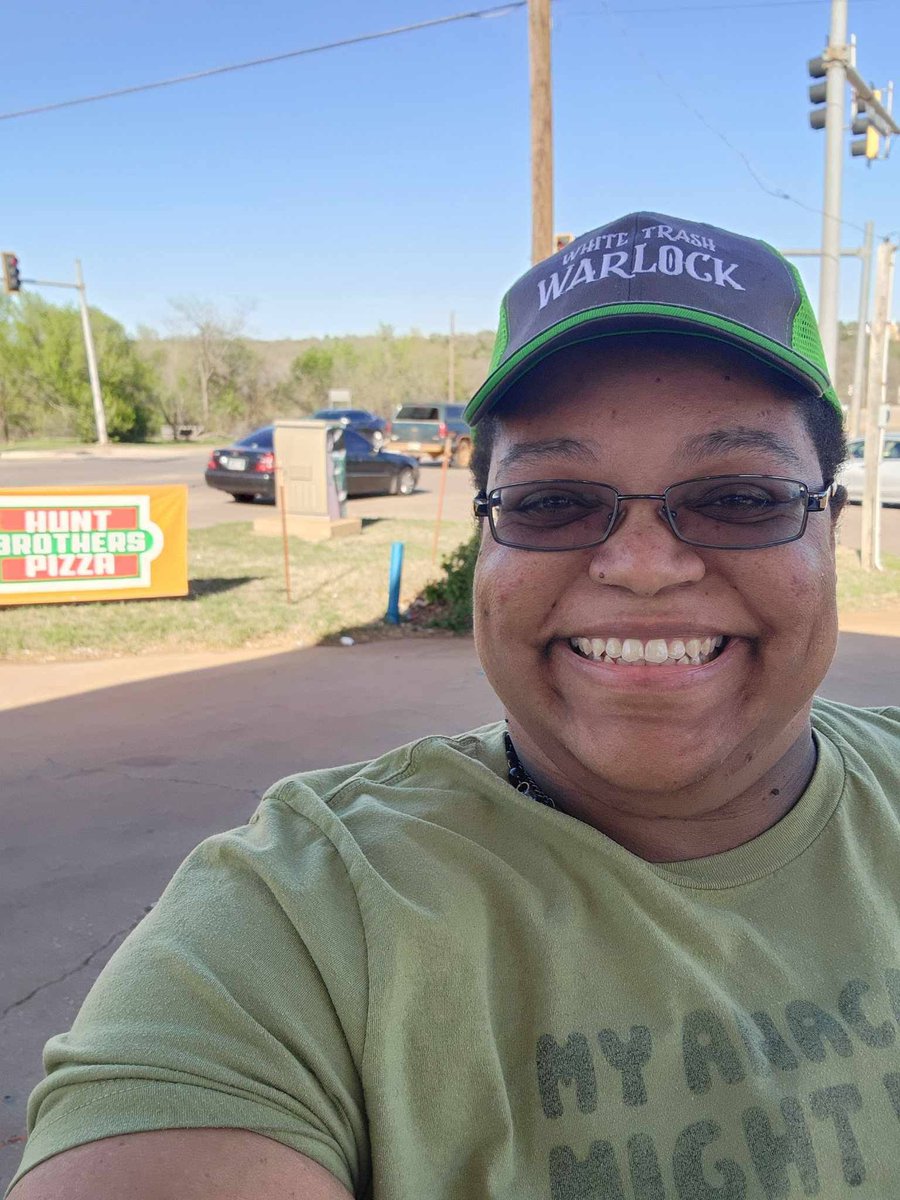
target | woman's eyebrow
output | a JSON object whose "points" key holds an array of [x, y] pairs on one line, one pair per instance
{"points": [[738, 437], [536, 452]]}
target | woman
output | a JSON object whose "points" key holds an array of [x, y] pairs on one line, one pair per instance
{"points": [[640, 940]]}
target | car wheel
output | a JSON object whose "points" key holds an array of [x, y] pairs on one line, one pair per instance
{"points": [[462, 456], [245, 497], [405, 482]]}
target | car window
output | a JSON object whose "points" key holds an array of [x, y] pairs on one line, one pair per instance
{"points": [[417, 412], [892, 449], [855, 448], [355, 443], [455, 412], [259, 439]]}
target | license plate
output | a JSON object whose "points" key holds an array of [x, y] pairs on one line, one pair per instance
{"points": [[415, 445], [235, 464]]}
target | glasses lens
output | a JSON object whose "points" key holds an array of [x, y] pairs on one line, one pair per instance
{"points": [[556, 514], [738, 511]]}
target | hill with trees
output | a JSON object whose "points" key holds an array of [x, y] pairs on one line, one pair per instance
{"points": [[207, 375]]}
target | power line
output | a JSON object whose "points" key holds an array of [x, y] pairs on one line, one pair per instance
{"points": [[499, 10], [776, 192]]}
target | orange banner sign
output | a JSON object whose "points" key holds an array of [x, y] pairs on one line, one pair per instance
{"points": [[59, 545]]}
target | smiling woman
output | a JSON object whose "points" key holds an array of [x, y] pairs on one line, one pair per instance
{"points": [[641, 937]]}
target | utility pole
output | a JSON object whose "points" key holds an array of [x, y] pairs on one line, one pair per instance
{"points": [[876, 417], [541, 130], [870, 117], [859, 361], [99, 413], [451, 361], [89, 350], [829, 279]]}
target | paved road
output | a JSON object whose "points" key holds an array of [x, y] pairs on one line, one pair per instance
{"points": [[102, 799], [207, 507]]}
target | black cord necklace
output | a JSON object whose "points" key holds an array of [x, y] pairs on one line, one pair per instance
{"points": [[520, 779]]}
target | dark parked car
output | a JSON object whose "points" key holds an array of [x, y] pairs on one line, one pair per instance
{"points": [[360, 419], [246, 469]]}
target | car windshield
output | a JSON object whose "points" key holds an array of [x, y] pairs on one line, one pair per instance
{"points": [[417, 412], [455, 412], [259, 439], [355, 443]]}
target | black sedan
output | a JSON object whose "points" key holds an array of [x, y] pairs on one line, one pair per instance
{"points": [[246, 469]]}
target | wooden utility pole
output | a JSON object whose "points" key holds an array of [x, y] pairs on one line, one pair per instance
{"points": [[875, 395], [451, 361], [541, 130]]}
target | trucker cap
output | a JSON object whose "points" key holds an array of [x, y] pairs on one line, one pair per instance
{"points": [[648, 273]]}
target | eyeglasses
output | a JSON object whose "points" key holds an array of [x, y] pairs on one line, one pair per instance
{"points": [[719, 512]]}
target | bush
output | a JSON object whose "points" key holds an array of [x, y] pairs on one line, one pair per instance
{"points": [[447, 602]]}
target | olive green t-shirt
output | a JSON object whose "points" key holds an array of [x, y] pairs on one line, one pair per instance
{"points": [[442, 990]]}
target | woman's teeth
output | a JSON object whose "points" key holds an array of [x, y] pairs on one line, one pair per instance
{"points": [[685, 652]]}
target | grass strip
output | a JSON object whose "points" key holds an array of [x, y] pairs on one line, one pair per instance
{"points": [[237, 597]]}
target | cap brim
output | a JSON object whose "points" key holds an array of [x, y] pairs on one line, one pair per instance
{"points": [[622, 320]]}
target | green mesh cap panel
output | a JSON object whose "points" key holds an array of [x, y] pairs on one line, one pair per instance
{"points": [[805, 336], [502, 338]]}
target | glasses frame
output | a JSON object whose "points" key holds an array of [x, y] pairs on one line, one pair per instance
{"points": [[484, 503]]}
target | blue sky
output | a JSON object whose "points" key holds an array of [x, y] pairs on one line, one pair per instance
{"points": [[389, 182]]}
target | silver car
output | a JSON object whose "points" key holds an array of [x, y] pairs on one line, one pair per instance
{"points": [[852, 475]]}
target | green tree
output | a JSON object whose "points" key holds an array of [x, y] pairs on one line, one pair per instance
{"points": [[46, 370], [313, 374]]}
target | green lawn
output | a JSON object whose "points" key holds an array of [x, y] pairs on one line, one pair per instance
{"points": [[237, 597], [859, 590]]}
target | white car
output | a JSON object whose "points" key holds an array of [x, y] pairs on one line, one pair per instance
{"points": [[852, 475]]}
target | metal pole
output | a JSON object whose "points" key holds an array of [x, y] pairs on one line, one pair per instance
{"points": [[393, 609], [442, 488], [859, 362], [829, 280], [871, 511], [284, 536], [451, 362], [883, 411], [541, 130], [99, 414]]}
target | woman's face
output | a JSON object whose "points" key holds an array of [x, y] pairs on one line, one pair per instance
{"points": [[654, 735]]}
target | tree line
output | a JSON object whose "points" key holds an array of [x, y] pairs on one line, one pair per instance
{"points": [[205, 374]]}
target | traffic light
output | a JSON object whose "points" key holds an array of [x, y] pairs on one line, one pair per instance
{"points": [[561, 240], [817, 92], [10, 273], [863, 122]]}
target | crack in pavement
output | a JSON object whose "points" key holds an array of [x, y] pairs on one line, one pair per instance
{"points": [[85, 962]]}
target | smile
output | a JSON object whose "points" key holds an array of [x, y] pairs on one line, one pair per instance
{"points": [[684, 652]]}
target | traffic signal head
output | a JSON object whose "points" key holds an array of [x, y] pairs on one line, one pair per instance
{"points": [[817, 92], [10, 273], [869, 145]]}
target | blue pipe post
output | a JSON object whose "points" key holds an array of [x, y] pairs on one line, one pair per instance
{"points": [[393, 609]]}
